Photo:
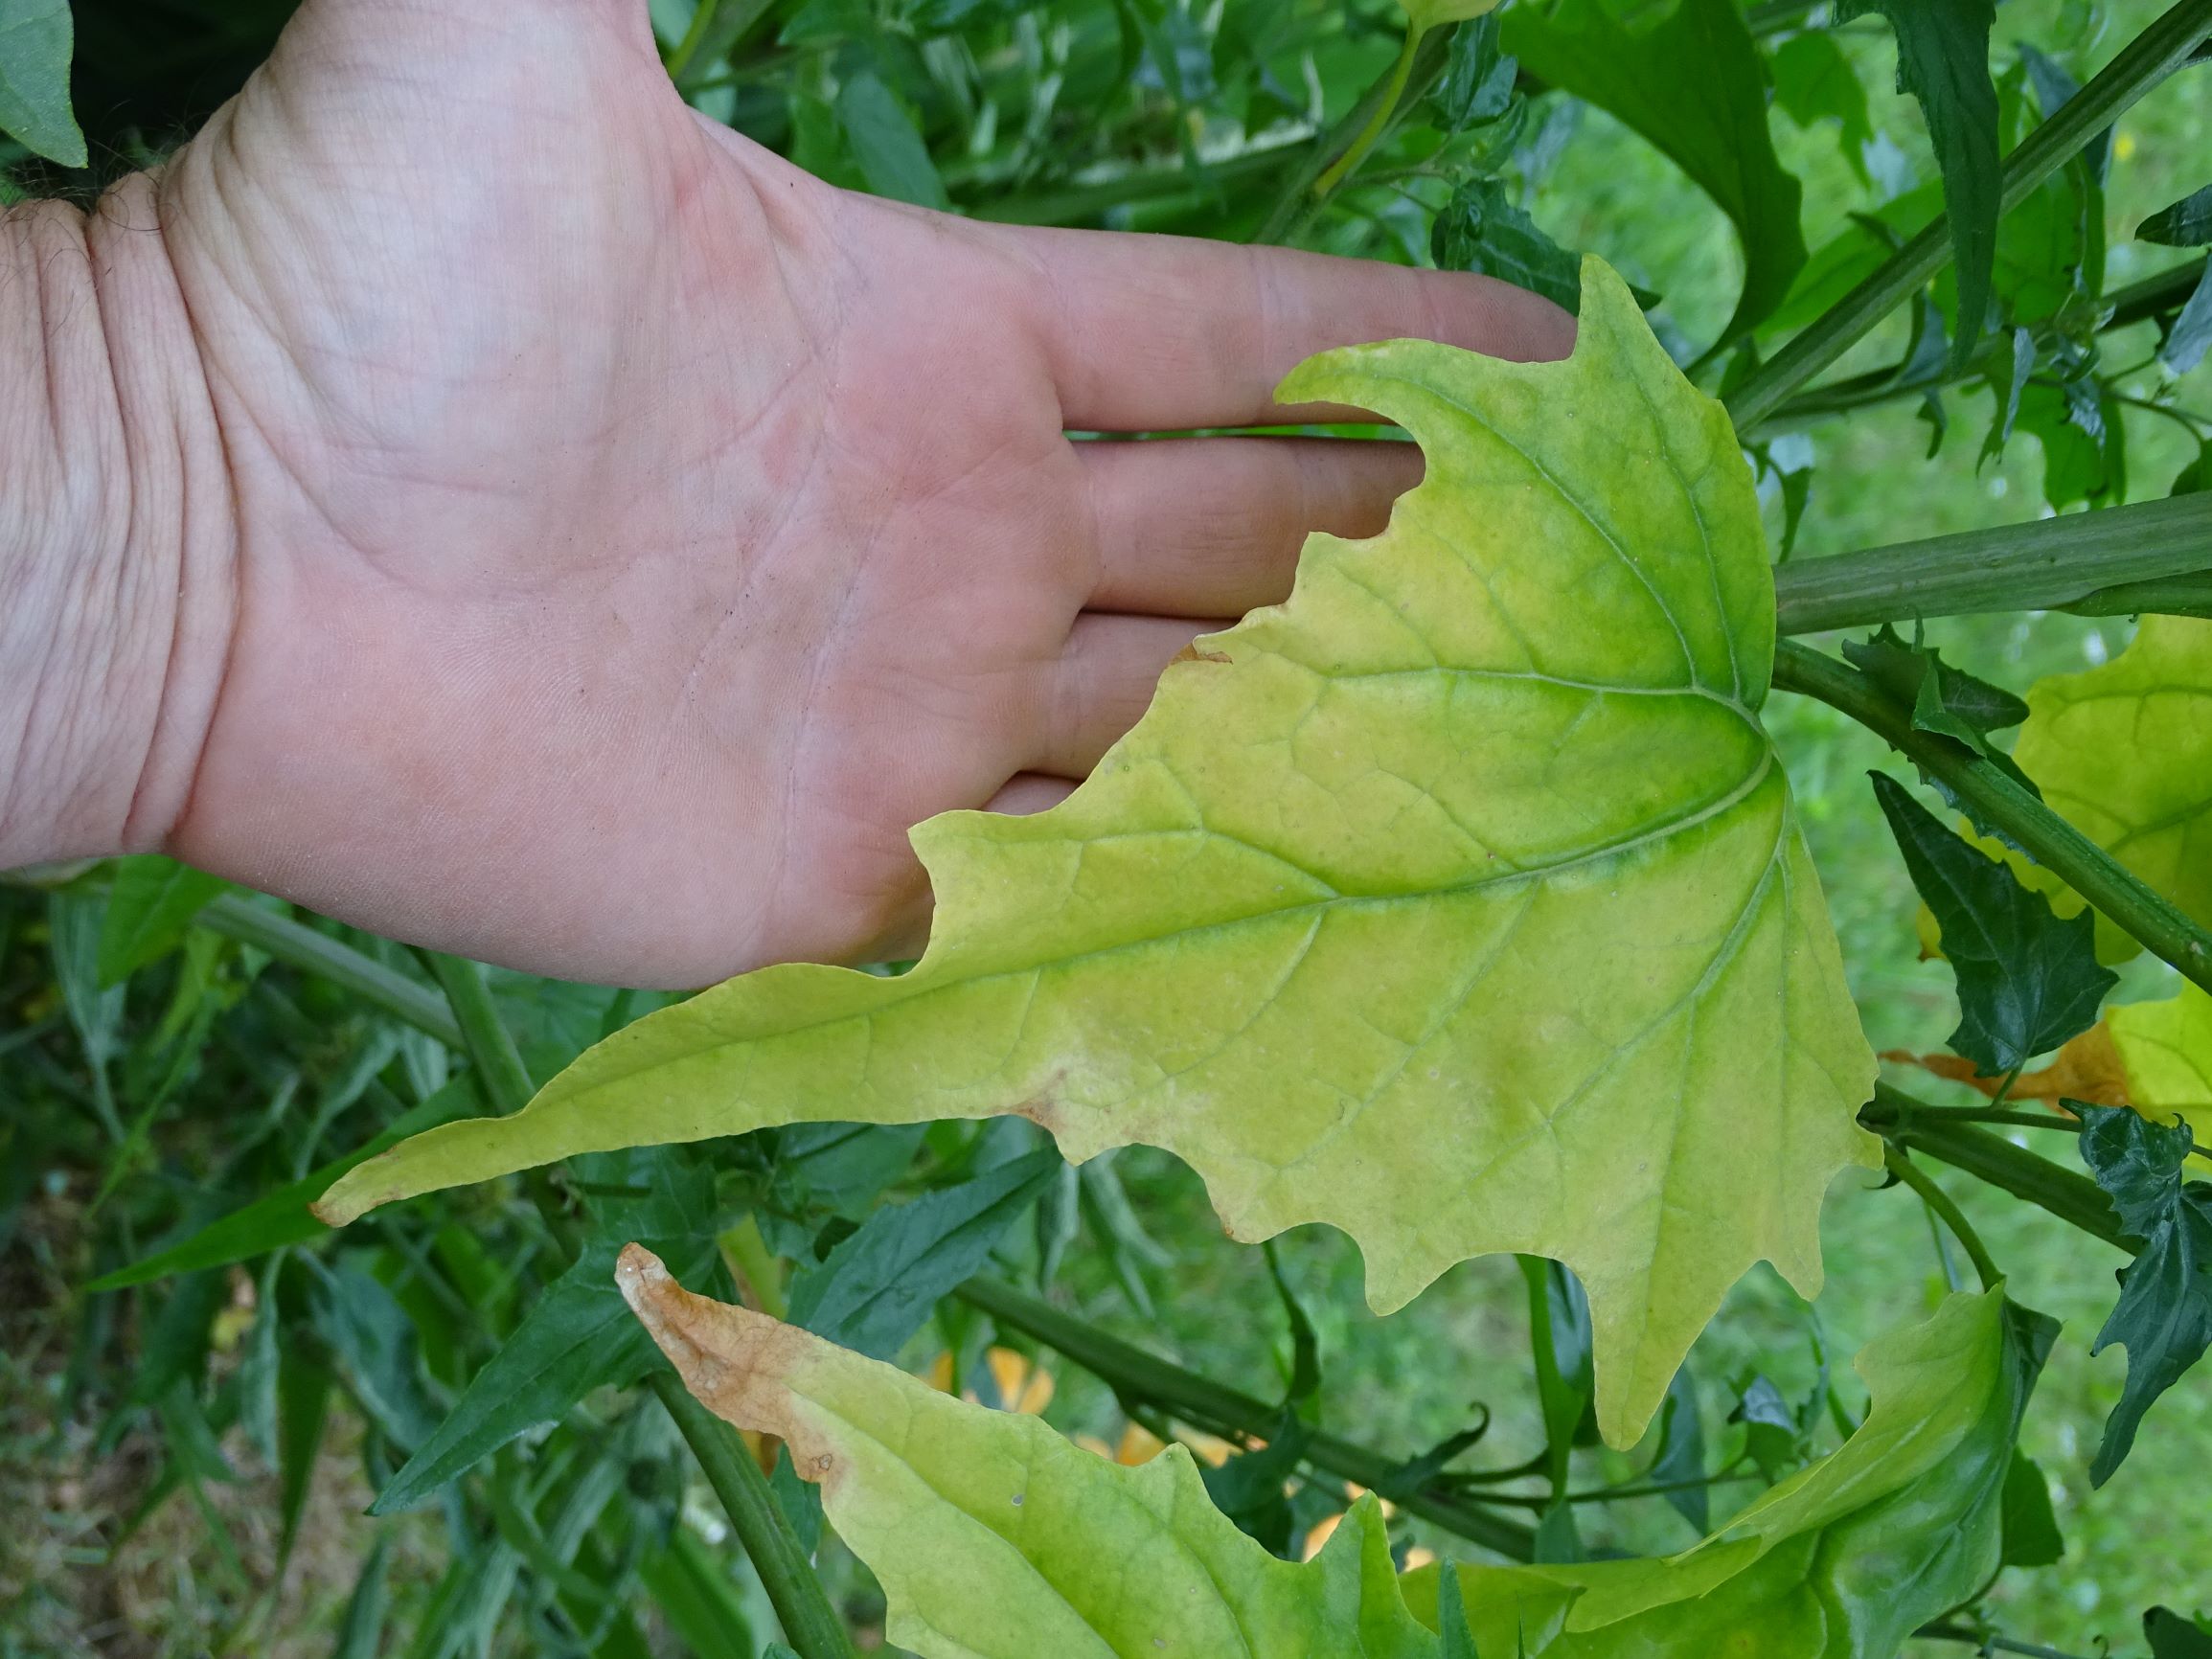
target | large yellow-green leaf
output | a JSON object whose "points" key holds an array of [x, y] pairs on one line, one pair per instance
{"points": [[994, 1538], [1459, 901], [2125, 751], [2166, 1049]]}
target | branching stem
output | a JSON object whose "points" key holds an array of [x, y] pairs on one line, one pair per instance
{"points": [[2144, 915], [2141, 64]]}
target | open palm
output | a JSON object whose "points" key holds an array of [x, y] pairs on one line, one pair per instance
{"points": [[636, 535]]}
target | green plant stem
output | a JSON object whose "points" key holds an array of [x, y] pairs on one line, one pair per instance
{"points": [[1392, 89], [792, 1587], [2141, 64], [802, 1606], [1209, 1406], [2106, 559], [2072, 1197], [2167, 595], [2164, 291], [2019, 1120], [237, 917], [484, 1034], [2144, 915], [1940, 1202], [1990, 1644], [1301, 200]]}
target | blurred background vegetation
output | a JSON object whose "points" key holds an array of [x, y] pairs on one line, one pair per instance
{"points": [[185, 1464]]}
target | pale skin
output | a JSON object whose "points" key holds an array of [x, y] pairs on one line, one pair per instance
{"points": [[470, 494]]}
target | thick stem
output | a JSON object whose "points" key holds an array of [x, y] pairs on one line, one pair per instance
{"points": [[1141, 1377], [2142, 64], [484, 1034], [2146, 915], [2073, 1198], [236, 917], [801, 1604], [1940, 1202], [2074, 561]]}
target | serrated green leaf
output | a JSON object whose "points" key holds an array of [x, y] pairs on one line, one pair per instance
{"points": [[2163, 1317], [1950, 703], [1476, 85], [36, 39], [2153, 704], [1481, 230], [2183, 225], [1459, 903], [1943, 61], [149, 910], [994, 1538], [1687, 78], [876, 1287], [2027, 980], [2030, 1529]]}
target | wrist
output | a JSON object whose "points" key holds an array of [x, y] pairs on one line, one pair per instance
{"points": [[117, 538]]}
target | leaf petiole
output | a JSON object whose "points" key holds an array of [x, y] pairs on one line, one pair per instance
{"points": [[1899, 1164]]}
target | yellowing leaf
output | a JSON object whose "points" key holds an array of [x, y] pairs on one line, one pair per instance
{"points": [[995, 1538], [2087, 1067], [1458, 903], [2166, 1049], [2125, 751]]}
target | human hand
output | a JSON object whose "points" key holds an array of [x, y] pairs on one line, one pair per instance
{"points": [[635, 536]]}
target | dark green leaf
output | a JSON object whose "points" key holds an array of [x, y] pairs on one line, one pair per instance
{"points": [[886, 144], [2056, 88], [1481, 230], [2183, 225], [1477, 82], [1943, 698], [303, 1413], [2008, 377], [378, 1351], [1565, 1376], [2164, 1315], [2030, 1528], [801, 1501], [1689, 79], [1458, 1641], [2076, 467], [150, 910], [1557, 1538], [36, 38], [1771, 1433], [1682, 1452], [2191, 335], [2027, 980], [1813, 82], [579, 1335], [697, 1598], [1943, 61], [361, 1628], [282, 1216], [877, 1286], [2174, 1637]]}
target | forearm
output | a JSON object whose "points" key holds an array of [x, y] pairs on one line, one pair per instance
{"points": [[116, 533]]}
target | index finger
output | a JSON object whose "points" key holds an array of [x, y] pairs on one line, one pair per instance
{"points": [[1149, 333]]}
